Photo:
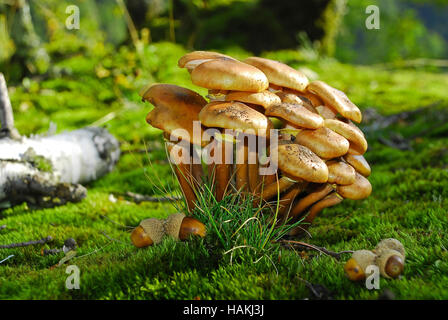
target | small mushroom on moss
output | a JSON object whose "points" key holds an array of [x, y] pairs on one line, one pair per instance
{"points": [[358, 143], [336, 99], [149, 232], [359, 163], [324, 142], [181, 227], [297, 115], [358, 190], [193, 59], [279, 73], [340, 173], [297, 164], [355, 267], [264, 98]]}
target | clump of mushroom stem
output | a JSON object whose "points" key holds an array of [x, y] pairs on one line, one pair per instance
{"points": [[320, 152]]}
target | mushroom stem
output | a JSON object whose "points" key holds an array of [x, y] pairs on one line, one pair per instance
{"points": [[196, 169], [241, 166], [276, 187], [223, 169], [253, 173], [185, 178], [266, 180], [311, 198], [329, 201], [288, 198]]}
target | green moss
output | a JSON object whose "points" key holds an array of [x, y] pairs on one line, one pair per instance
{"points": [[408, 202]]}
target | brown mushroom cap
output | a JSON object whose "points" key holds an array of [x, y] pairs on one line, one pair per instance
{"points": [[201, 55], [341, 173], [299, 162], [264, 98], [236, 116], [279, 73], [361, 189], [296, 114], [174, 108], [336, 99], [226, 74], [326, 112], [314, 99], [358, 144], [324, 142], [359, 163], [294, 99]]}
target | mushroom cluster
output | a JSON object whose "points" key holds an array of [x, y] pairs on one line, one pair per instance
{"points": [[261, 111]]}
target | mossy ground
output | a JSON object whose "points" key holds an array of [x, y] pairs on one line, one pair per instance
{"points": [[409, 200]]}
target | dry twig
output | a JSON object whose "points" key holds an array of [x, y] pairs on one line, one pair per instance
{"points": [[27, 243], [137, 198], [323, 250]]}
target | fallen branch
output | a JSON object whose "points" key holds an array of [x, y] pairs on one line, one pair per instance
{"points": [[113, 239], [27, 243], [137, 198], [119, 224], [46, 171], [47, 252], [323, 250]]}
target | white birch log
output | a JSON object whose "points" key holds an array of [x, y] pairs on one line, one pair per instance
{"points": [[46, 170]]}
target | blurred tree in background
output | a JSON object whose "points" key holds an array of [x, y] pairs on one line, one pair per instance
{"points": [[33, 32], [409, 29]]}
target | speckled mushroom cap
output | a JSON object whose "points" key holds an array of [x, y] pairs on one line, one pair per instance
{"points": [[197, 57], [154, 228], [300, 163], [279, 73], [226, 74], [361, 189], [174, 108], [236, 116], [324, 142], [264, 98], [340, 173], [359, 163], [358, 144], [336, 99], [296, 114]]}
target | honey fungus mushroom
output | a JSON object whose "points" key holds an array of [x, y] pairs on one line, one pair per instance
{"points": [[296, 114], [313, 118], [324, 142], [335, 99], [226, 74], [264, 98], [359, 163], [193, 59], [279, 73], [237, 116], [325, 196], [358, 143], [175, 110], [297, 164]]}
